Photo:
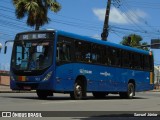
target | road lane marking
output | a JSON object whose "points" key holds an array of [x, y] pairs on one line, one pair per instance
{"points": [[53, 102]]}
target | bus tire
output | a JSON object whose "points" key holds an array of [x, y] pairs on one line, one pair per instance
{"points": [[130, 92], [99, 95], [79, 92], [41, 94]]}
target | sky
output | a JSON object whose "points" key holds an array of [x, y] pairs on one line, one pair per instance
{"points": [[86, 17]]}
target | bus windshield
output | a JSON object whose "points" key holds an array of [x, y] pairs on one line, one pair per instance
{"points": [[32, 55]]}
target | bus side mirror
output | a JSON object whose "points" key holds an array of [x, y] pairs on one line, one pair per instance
{"points": [[5, 49]]}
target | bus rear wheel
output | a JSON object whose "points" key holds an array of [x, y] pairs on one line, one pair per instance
{"points": [[79, 91], [130, 92]]}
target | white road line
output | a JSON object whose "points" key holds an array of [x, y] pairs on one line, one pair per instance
{"points": [[56, 102]]}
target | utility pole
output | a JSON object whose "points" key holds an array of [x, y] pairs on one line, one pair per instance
{"points": [[105, 32]]}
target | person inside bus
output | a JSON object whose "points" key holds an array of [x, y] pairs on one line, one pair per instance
{"points": [[63, 52], [44, 59], [32, 58]]}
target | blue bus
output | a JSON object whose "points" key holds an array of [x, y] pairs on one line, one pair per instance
{"points": [[53, 61]]}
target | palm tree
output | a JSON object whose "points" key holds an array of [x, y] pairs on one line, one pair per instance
{"points": [[36, 10], [134, 40]]}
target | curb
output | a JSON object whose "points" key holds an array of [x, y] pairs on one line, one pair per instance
{"points": [[154, 91]]}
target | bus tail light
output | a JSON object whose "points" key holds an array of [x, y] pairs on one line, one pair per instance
{"points": [[47, 77], [151, 78]]}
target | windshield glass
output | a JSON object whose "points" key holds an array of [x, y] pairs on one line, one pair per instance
{"points": [[31, 55]]}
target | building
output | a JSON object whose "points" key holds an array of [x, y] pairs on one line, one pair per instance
{"points": [[157, 76], [4, 77]]}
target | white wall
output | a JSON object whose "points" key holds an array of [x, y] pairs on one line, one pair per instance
{"points": [[157, 74]]}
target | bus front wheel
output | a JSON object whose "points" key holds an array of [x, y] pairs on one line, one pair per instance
{"points": [[79, 91]]}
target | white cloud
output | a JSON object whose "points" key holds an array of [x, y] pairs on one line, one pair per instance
{"points": [[100, 13], [119, 17], [96, 36]]}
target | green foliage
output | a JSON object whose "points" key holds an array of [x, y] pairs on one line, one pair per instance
{"points": [[134, 40], [36, 10]]}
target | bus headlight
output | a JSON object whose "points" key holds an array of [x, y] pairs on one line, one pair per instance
{"points": [[47, 77]]}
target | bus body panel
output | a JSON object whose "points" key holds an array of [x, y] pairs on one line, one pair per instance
{"points": [[103, 78]]}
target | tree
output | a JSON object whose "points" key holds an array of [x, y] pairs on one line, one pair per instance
{"points": [[36, 10], [134, 40]]}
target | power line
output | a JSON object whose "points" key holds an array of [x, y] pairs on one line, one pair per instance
{"points": [[130, 17], [146, 4], [138, 16], [74, 22]]}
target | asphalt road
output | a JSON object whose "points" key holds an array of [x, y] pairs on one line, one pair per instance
{"points": [[144, 102]]}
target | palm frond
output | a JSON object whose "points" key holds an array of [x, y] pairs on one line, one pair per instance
{"points": [[32, 6], [20, 10], [55, 7], [36, 10]]}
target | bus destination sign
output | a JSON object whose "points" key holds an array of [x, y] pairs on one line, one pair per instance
{"points": [[31, 36]]}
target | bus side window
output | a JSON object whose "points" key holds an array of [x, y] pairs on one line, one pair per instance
{"points": [[137, 61], [107, 56], [78, 54], [97, 53], [83, 51], [103, 56], [126, 61], [118, 57], [114, 56], [63, 49], [146, 62]]}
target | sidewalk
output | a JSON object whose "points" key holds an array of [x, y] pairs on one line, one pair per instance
{"points": [[155, 90], [6, 89]]}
